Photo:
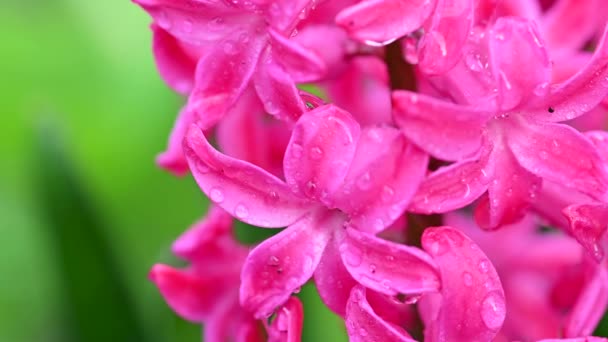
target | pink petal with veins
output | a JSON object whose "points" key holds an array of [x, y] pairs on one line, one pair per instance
{"points": [[251, 194], [560, 154], [320, 152], [363, 324], [383, 21], [280, 265], [388, 267], [520, 62], [473, 301], [222, 75], [383, 177], [445, 130]]}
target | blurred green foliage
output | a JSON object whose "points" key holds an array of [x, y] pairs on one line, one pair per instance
{"points": [[84, 212]]}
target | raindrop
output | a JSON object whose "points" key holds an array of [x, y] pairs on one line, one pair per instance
{"points": [[372, 268], [493, 310], [362, 332], [273, 261], [543, 155], [163, 20], [387, 194], [316, 153], [467, 278], [353, 255], [241, 211], [216, 195], [484, 266], [229, 48]]}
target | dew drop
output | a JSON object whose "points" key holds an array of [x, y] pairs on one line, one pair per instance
{"points": [[364, 182], [467, 278], [229, 48], [353, 255], [273, 261], [362, 332], [484, 266], [372, 268], [216, 195], [387, 194], [241, 211], [201, 167], [316, 153], [493, 310]]}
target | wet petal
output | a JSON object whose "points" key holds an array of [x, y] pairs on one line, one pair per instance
{"points": [[520, 62], [220, 80], [560, 154], [580, 93], [320, 152], [280, 265], [510, 193], [278, 91], [249, 193], [176, 61], [473, 301], [363, 324], [383, 21], [300, 63], [454, 186], [588, 225], [287, 325], [190, 296], [388, 267], [333, 280], [445, 130], [441, 46], [197, 22]]}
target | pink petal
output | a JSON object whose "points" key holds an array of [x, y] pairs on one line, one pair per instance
{"points": [[599, 139], [579, 94], [333, 280], [588, 225], [284, 15], [302, 64], [382, 179], [192, 297], [363, 324], [473, 304], [383, 21], [176, 61], [445, 130], [560, 154], [278, 91], [206, 239], [331, 49], [576, 339], [488, 10], [197, 22], [455, 186], [320, 151], [173, 158], [590, 306], [287, 326], [220, 80], [520, 61], [441, 46], [510, 193], [251, 194], [388, 267], [280, 265], [362, 89], [249, 134], [569, 24]]}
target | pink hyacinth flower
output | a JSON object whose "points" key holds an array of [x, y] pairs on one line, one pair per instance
{"points": [[445, 26], [206, 292], [335, 175], [544, 275], [507, 147], [234, 45], [469, 307]]}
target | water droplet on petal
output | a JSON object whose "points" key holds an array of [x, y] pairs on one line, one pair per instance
{"points": [[316, 153], [493, 310], [484, 266], [387, 194], [543, 154], [364, 182], [241, 211], [187, 26], [163, 20], [273, 261], [467, 278], [216, 195], [353, 255], [201, 167]]}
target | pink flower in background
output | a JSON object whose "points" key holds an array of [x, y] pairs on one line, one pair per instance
{"points": [[207, 290], [508, 147]]}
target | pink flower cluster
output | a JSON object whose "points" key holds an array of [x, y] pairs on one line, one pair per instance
{"points": [[447, 182]]}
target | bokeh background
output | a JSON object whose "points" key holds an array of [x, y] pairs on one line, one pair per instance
{"points": [[84, 212]]}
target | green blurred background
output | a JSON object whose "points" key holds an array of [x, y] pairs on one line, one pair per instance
{"points": [[84, 212]]}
